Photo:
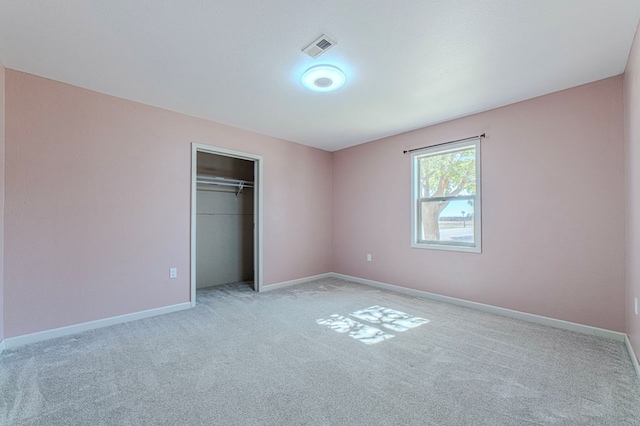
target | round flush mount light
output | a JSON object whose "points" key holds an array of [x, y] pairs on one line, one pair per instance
{"points": [[323, 78]]}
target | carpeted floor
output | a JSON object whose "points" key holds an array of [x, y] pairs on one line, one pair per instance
{"points": [[297, 356]]}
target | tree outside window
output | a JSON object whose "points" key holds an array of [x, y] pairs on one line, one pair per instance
{"points": [[446, 197]]}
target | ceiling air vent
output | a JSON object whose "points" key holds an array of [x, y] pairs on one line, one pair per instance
{"points": [[319, 46]]}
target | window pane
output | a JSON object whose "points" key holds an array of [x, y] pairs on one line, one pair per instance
{"points": [[447, 221], [449, 173]]}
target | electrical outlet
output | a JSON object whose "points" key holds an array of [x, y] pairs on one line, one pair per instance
{"points": [[173, 273], [635, 305], [369, 257]]}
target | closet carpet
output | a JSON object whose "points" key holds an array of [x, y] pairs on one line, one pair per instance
{"points": [[286, 357]]}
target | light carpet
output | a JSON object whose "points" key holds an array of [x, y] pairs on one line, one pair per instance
{"points": [[245, 358]]}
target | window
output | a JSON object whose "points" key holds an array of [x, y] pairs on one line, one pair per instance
{"points": [[446, 197]]}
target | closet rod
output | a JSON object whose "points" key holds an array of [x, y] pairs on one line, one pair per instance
{"points": [[210, 180]]}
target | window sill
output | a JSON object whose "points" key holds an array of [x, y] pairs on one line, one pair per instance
{"points": [[446, 247]]}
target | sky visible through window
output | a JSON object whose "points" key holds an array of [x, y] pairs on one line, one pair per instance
{"points": [[455, 209], [446, 194]]}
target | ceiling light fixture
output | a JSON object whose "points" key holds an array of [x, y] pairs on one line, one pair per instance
{"points": [[323, 78]]}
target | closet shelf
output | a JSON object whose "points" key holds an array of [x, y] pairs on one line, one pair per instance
{"points": [[220, 181]]}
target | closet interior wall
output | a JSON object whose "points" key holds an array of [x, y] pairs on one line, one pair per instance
{"points": [[224, 222]]}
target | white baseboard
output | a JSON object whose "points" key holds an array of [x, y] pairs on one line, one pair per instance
{"points": [[25, 339], [632, 354], [295, 282], [538, 319], [13, 342]]}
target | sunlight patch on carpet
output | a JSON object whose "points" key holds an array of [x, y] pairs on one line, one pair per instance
{"points": [[388, 318], [364, 333]]}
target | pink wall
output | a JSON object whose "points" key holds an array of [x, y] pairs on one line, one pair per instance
{"points": [[553, 222], [98, 204], [632, 157], [2, 127]]}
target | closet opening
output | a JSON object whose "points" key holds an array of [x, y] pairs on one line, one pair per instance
{"points": [[226, 218]]}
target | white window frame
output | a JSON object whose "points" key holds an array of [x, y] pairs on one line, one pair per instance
{"points": [[415, 199]]}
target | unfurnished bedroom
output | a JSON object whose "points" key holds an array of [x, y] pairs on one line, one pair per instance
{"points": [[319, 213]]}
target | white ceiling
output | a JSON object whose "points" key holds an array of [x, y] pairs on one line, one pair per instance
{"points": [[408, 63]]}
